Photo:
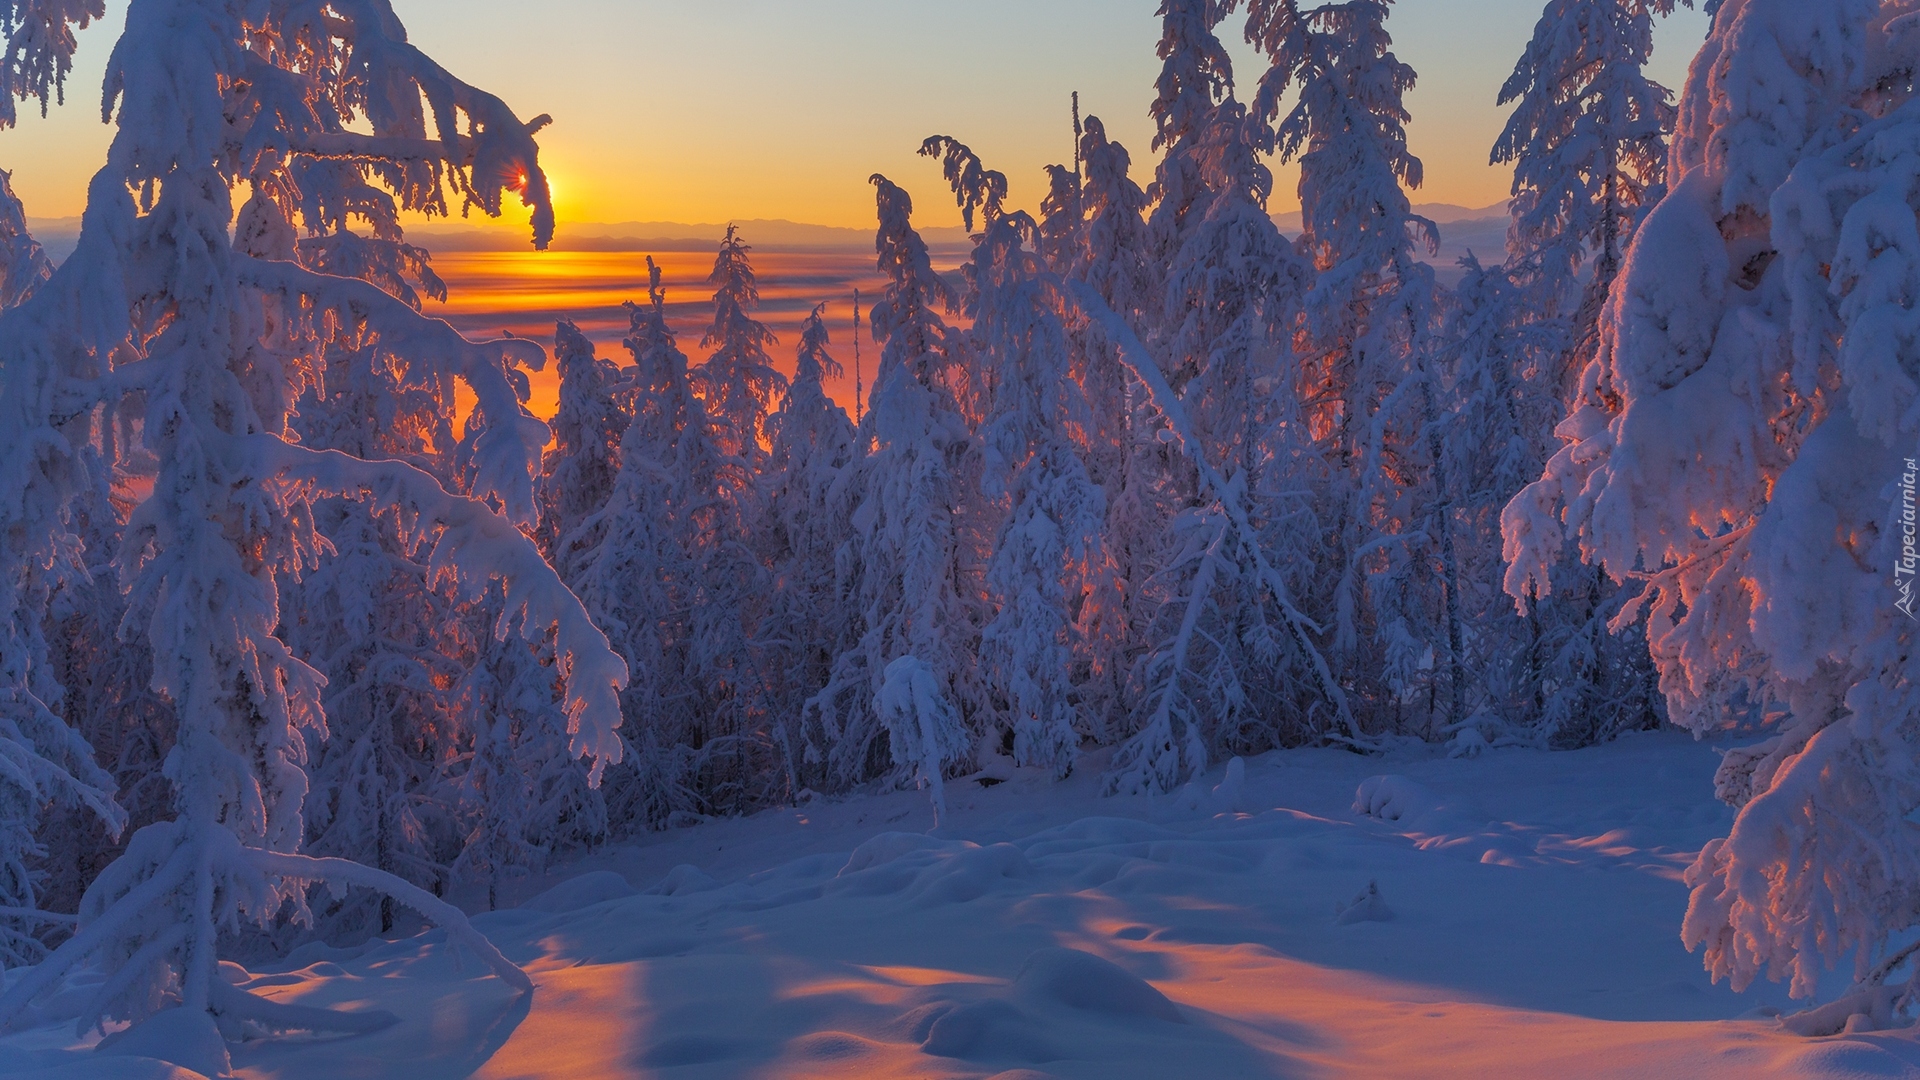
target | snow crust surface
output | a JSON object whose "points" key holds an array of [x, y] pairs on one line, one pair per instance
{"points": [[1531, 906]]}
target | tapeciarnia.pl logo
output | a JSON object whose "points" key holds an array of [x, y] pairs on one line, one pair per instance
{"points": [[1909, 561]]}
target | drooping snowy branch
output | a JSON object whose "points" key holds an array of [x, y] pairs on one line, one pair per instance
{"points": [[474, 545]]}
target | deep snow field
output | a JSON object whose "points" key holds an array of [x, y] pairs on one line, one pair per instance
{"points": [[1526, 925]]}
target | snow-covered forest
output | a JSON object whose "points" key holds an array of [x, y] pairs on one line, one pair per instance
{"points": [[310, 631]]}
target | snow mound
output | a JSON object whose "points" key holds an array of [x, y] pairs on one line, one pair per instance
{"points": [[1394, 798], [1367, 907], [885, 848], [590, 888], [991, 1030], [104, 1067], [1845, 1060], [970, 873], [1227, 797], [683, 880], [1083, 981], [183, 1037]]}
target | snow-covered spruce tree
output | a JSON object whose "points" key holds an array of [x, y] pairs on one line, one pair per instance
{"points": [[1588, 143], [577, 472], [924, 733], [738, 381], [1367, 388], [1113, 254], [1553, 673], [670, 580], [1196, 75], [389, 646], [157, 309], [416, 701], [1745, 443], [48, 765], [915, 547], [813, 463], [23, 264], [631, 578], [106, 697], [1062, 218], [51, 789], [520, 796], [1223, 672], [738, 386], [517, 795], [1122, 451], [1047, 553], [1160, 763]]}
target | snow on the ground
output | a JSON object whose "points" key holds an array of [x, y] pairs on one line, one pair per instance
{"points": [[1328, 915]]}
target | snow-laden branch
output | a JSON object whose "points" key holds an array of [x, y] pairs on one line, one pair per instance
{"points": [[502, 155], [508, 453], [446, 916], [475, 544]]}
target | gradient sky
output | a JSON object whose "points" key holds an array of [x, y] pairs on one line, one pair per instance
{"points": [[705, 111]]}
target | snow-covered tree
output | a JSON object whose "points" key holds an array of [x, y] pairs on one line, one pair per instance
{"points": [[1196, 75], [106, 696], [1221, 663], [1114, 256], [924, 731], [813, 463], [23, 265], [1588, 142], [1554, 673], [671, 580], [738, 381], [1367, 384], [389, 648], [158, 310], [51, 789], [1062, 217], [914, 544], [577, 472], [1744, 445], [389, 641], [49, 766], [517, 794], [1123, 453], [1170, 746], [1047, 552]]}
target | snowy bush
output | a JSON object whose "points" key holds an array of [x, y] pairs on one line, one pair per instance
{"points": [[923, 729]]}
